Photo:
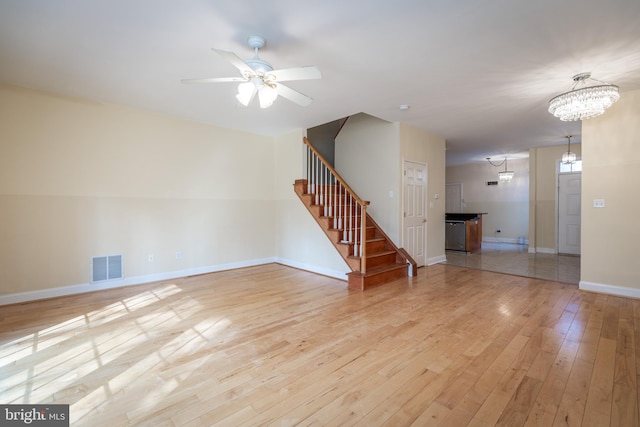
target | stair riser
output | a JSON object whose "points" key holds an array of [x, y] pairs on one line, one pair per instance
{"points": [[377, 261], [358, 282], [375, 246]]}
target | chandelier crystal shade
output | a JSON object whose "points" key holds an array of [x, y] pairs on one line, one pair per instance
{"points": [[505, 176], [583, 102]]}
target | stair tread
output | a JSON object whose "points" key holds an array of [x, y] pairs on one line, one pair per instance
{"points": [[380, 253]]}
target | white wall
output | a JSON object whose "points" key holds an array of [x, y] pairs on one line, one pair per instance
{"points": [[611, 171], [506, 204]]}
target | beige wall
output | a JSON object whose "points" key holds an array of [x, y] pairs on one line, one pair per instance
{"points": [[367, 156], [80, 179], [506, 204], [420, 146], [300, 242], [543, 210], [611, 171]]}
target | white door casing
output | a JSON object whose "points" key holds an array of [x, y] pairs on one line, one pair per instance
{"points": [[569, 218], [414, 234]]}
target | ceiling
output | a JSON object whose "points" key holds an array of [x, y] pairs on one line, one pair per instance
{"points": [[479, 74]]}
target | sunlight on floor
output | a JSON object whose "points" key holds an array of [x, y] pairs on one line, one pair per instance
{"points": [[121, 342]]}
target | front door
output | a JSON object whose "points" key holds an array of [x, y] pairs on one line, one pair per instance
{"points": [[569, 192], [414, 235]]}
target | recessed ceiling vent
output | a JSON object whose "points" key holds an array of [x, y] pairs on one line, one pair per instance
{"points": [[107, 267]]}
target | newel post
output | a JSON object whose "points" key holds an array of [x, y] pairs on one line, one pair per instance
{"points": [[363, 239]]}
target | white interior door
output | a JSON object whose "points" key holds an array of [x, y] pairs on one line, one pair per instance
{"points": [[569, 218], [414, 235]]}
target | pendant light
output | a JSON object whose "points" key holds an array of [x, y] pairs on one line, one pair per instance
{"points": [[505, 175], [568, 157]]}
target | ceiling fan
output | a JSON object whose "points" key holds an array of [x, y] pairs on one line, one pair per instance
{"points": [[259, 77]]}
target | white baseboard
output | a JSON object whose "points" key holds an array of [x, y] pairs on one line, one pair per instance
{"points": [[545, 250], [500, 240], [437, 260], [609, 289], [336, 274], [129, 281]]}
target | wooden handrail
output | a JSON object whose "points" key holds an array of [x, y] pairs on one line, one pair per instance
{"points": [[335, 173]]}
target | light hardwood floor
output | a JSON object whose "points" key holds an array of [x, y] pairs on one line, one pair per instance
{"points": [[271, 345]]}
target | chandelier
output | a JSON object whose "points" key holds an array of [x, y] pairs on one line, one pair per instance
{"points": [[505, 175], [585, 101], [568, 157]]}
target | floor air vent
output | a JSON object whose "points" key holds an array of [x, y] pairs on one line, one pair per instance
{"points": [[106, 268]]}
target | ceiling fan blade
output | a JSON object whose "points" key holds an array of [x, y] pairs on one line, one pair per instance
{"points": [[215, 80], [236, 62], [293, 95], [295, 73]]}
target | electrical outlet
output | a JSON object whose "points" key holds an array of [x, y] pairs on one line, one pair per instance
{"points": [[178, 255], [151, 258]]}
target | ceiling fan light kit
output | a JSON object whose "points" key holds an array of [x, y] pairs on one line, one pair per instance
{"points": [[259, 77], [583, 102]]}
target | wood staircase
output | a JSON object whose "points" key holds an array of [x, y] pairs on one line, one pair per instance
{"points": [[339, 212]]}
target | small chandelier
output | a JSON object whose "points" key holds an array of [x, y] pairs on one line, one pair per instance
{"points": [[505, 175], [583, 102], [568, 157]]}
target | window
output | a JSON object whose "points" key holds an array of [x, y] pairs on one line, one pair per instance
{"points": [[571, 167]]}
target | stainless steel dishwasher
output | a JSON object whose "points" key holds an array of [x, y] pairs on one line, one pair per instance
{"points": [[455, 235]]}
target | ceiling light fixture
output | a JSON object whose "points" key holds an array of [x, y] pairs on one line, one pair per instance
{"points": [[568, 157], [505, 175], [585, 101]]}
